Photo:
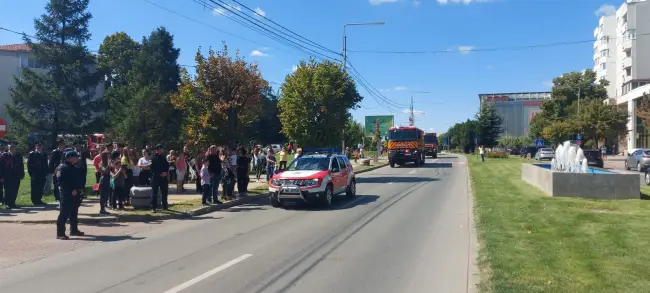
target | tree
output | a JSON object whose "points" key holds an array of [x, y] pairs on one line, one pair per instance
{"points": [[643, 111], [353, 133], [115, 58], [223, 87], [489, 125], [139, 95], [315, 104], [266, 129], [462, 135], [599, 120], [560, 118], [60, 99]]}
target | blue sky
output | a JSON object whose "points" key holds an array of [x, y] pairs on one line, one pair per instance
{"points": [[453, 79]]}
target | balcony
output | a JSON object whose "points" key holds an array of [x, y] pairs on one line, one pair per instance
{"points": [[596, 30], [626, 62], [596, 44], [626, 45]]}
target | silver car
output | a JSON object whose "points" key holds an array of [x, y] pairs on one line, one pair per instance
{"points": [[639, 159], [545, 154]]}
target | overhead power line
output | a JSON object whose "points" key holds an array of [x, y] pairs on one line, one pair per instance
{"points": [[230, 12], [508, 48]]}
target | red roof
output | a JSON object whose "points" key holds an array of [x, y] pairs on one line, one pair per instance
{"points": [[16, 48]]}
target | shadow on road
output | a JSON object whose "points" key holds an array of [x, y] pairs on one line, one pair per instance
{"points": [[437, 165], [381, 179], [107, 238]]}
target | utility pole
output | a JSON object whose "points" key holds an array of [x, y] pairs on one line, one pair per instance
{"points": [[377, 139], [412, 116]]}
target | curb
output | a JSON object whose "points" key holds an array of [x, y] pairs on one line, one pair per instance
{"points": [[125, 218], [371, 168]]}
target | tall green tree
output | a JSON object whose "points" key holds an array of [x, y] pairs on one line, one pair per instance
{"points": [[599, 121], [316, 103], [462, 135], [489, 125], [353, 133], [223, 98], [142, 83], [60, 97], [266, 129], [643, 111], [115, 58]]}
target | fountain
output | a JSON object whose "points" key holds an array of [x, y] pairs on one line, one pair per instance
{"points": [[570, 159], [569, 175]]}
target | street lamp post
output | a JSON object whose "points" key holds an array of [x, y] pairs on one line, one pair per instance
{"points": [[412, 114], [345, 64]]}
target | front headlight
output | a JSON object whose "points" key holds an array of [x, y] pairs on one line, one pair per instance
{"points": [[275, 182], [311, 182]]}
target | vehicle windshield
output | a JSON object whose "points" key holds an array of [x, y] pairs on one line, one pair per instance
{"points": [[309, 164], [403, 134], [430, 138]]}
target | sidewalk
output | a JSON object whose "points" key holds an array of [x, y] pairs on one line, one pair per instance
{"points": [[89, 210]]}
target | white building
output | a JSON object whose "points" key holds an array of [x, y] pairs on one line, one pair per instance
{"points": [[622, 56], [12, 59]]}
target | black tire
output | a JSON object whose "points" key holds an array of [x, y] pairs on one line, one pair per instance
{"points": [[638, 167], [435, 156], [424, 160], [626, 166], [326, 199], [275, 202], [352, 189], [647, 178], [392, 164]]}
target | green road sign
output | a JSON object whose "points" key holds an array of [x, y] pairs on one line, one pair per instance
{"points": [[385, 123]]}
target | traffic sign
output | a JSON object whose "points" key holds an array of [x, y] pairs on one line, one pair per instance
{"points": [[3, 127], [539, 143]]}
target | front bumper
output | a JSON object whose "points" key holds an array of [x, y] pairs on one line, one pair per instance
{"points": [[296, 194], [546, 157], [402, 157]]}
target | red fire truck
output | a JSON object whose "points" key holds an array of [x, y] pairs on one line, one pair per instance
{"points": [[431, 145]]}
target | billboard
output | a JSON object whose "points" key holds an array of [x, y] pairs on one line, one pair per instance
{"points": [[385, 123]]}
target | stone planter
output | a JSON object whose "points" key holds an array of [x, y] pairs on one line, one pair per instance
{"points": [[141, 197]]}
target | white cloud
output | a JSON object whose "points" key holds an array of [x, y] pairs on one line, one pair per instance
{"points": [[259, 11], [399, 88], [548, 83], [415, 112], [294, 68], [465, 49], [379, 2], [605, 10], [466, 2], [224, 11], [259, 53]]}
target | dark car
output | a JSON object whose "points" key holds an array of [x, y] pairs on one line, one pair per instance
{"points": [[515, 151], [532, 150], [594, 158]]}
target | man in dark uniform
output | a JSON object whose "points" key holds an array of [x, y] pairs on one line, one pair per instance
{"points": [[159, 181], [37, 168], [13, 171], [57, 157], [68, 177]]}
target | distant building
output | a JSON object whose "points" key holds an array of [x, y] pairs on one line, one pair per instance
{"points": [[12, 59], [516, 109]]}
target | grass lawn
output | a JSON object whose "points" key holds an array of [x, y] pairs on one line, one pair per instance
{"points": [[24, 193], [534, 243]]}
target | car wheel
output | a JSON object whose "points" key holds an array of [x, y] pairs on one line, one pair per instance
{"points": [[275, 202], [352, 189], [326, 200], [638, 167], [647, 178], [392, 164], [626, 166]]}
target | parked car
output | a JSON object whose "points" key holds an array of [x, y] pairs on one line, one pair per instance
{"points": [[313, 179], [639, 159], [545, 154], [594, 158], [530, 150], [515, 151], [647, 178]]}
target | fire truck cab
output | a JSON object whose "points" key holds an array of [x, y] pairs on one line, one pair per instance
{"points": [[431, 145], [405, 144]]}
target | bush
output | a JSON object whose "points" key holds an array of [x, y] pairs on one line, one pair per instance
{"points": [[497, 154]]}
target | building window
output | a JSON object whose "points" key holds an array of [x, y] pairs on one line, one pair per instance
{"points": [[31, 63], [603, 66], [630, 35], [604, 53], [604, 40]]}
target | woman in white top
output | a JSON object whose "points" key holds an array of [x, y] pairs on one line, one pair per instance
{"points": [[481, 151], [145, 169]]}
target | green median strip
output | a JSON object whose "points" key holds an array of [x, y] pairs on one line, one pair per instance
{"points": [[534, 243]]}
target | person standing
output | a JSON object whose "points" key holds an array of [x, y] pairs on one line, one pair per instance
{"points": [[82, 165], [270, 165], [159, 181], [37, 168], [68, 175], [145, 169], [96, 163], [104, 183], [12, 172], [57, 157], [243, 176], [205, 181], [283, 159], [481, 151], [215, 172], [119, 176]]}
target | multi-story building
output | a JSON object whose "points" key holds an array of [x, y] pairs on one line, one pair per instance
{"points": [[627, 53], [605, 52], [516, 109], [12, 59]]}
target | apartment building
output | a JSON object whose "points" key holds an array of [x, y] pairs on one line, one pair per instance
{"points": [[622, 56], [12, 59], [605, 52]]}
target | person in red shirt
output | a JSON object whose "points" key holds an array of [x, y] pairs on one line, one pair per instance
{"points": [[97, 160]]}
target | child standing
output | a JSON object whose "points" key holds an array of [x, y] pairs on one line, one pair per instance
{"points": [[205, 182], [270, 166]]}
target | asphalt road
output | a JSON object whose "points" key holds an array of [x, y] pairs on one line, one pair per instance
{"points": [[407, 231]]}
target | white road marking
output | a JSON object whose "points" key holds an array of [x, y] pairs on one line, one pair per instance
{"points": [[390, 182], [208, 274], [412, 172]]}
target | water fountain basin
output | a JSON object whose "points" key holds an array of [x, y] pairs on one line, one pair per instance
{"points": [[594, 183]]}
